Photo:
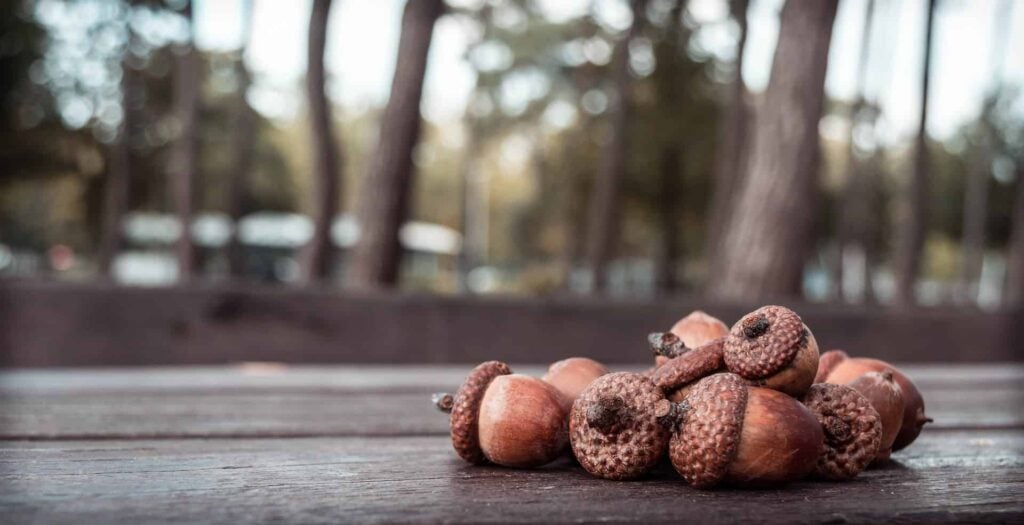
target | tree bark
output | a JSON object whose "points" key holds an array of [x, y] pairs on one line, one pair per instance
{"points": [[116, 187], [914, 222], [245, 140], [668, 199], [732, 143], [316, 260], [1015, 254], [474, 209], [186, 151], [851, 198], [603, 216], [769, 234], [384, 205], [975, 212]]}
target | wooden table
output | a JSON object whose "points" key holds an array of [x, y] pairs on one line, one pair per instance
{"points": [[262, 442]]}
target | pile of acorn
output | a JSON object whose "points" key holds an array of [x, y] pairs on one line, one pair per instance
{"points": [[754, 404]]}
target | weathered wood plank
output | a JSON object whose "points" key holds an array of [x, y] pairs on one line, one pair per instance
{"points": [[338, 402], [946, 476], [63, 324]]}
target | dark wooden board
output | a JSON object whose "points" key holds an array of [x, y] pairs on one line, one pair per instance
{"points": [[262, 401], [66, 324], [946, 476]]}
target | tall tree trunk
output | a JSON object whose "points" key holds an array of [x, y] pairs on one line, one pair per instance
{"points": [[326, 157], [851, 198], [116, 187], [1015, 253], [186, 150], [768, 235], [474, 209], [668, 199], [603, 217], [975, 211], [732, 143], [245, 139], [385, 196], [914, 222]]}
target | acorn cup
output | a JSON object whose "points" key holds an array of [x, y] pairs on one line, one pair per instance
{"points": [[773, 348]]}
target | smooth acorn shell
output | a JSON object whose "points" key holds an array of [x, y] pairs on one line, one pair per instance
{"points": [[780, 441], [914, 417], [885, 396], [522, 422], [571, 376]]}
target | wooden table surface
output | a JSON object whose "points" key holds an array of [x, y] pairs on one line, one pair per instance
{"points": [[260, 442]]}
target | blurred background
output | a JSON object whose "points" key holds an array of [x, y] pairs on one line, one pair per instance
{"points": [[236, 179]]}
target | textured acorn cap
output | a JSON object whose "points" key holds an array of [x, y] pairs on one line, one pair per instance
{"points": [[616, 426], [853, 430], [827, 362], [466, 410], [707, 441], [689, 367], [764, 342]]}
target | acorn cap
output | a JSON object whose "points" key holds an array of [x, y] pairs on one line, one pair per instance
{"points": [[617, 426], [689, 367], [706, 444], [764, 342], [465, 410], [828, 362], [853, 430]]}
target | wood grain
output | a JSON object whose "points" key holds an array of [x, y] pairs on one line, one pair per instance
{"points": [[341, 401], [946, 476]]}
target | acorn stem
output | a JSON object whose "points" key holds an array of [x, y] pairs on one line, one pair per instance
{"points": [[671, 415], [755, 326], [667, 344], [606, 412], [443, 401]]}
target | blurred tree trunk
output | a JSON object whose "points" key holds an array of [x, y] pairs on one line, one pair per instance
{"points": [[975, 211], [768, 236], [116, 187], [245, 130], [473, 201], [604, 214], [1015, 260], [913, 224], [185, 159], [316, 257], [384, 205], [851, 216], [732, 146], [667, 253]]}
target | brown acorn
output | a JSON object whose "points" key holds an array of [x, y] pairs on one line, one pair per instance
{"points": [[827, 362], [887, 399], [619, 426], [773, 348], [696, 329], [678, 374], [508, 419], [570, 376], [914, 418], [853, 430], [734, 433]]}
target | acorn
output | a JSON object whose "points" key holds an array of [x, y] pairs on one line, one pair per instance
{"points": [[620, 425], [570, 376], [887, 399], [843, 371], [739, 434], [507, 419], [694, 330], [677, 375], [852, 427], [773, 348]]}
